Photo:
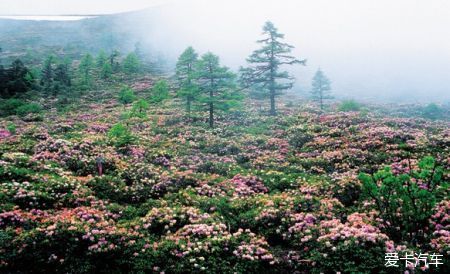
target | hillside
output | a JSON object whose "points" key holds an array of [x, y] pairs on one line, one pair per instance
{"points": [[116, 160]]}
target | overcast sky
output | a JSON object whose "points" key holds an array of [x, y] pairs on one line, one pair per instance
{"points": [[398, 48], [57, 7]]}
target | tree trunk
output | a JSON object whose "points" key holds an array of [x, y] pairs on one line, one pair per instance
{"points": [[211, 104], [188, 106], [272, 103], [272, 78], [211, 114]]}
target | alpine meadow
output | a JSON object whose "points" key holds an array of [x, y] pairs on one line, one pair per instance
{"points": [[196, 136]]}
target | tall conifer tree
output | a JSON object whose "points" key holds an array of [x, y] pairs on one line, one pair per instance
{"points": [[265, 65]]}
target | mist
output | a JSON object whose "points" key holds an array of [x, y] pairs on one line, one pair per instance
{"points": [[396, 51], [375, 50]]}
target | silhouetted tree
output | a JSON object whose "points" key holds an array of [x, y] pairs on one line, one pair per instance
{"points": [[264, 70], [321, 87]]}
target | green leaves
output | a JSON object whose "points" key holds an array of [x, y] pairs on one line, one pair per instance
{"points": [[120, 135], [185, 77], [205, 81], [264, 70], [126, 95], [405, 200], [131, 64], [85, 67], [216, 84], [159, 92], [139, 108]]}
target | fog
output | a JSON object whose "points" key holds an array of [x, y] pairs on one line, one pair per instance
{"points": [[73, 7], [395, 50], [390, 50]]}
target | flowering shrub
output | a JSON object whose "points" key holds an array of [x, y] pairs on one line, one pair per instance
{"points": [[342, 246], [165, 220], [249, 185], [410, 196], [441, 225], [79, 157], [257, 194]]}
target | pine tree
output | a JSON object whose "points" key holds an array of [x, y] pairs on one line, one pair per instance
{"points": [[62, 73], [126, 96], [112, 60], [140, 108], [18, 79], [47, 72], [185, 74], [2, 76], [106, 70], [264, 70], [85, 68], [159, 92], [101, 59], [321, 87], [131, 64], [216, 85]]}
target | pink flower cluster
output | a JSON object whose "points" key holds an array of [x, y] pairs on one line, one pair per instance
{"points": [[247, 185], [211, 191], [357, 229], [441, 223], [404, 166], [255, 249], [169, 219], [202, 230], [302, 228], [4, 134], [98, 128]]}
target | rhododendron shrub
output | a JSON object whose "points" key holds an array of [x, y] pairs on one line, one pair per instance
{"points": [[405, 197], [256, 194], [199, 247], [355, 246], [440, 232], [81, 240]]}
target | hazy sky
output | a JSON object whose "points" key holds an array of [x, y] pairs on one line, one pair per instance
{"points": [[393, 48], [396, 49], [56, 7]]}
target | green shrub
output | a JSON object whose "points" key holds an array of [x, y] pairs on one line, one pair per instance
{"points": [[11, 127], [432, 111], [10, 106], [139, 108], [131, 64], [349, 105], [405, 200], [349, 258], [160, 92], [120, 135], [126, 95], [298, 136], [28, 108], [108, 187]]}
